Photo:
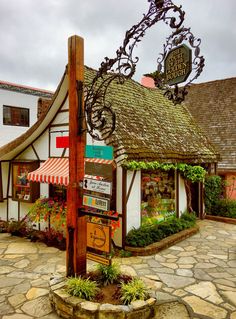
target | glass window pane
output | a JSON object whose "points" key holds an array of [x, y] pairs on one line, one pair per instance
{"points": [[158, 196], [15, 116]]}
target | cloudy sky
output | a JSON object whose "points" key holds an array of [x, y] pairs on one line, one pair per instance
{"points": [[34, 34]]}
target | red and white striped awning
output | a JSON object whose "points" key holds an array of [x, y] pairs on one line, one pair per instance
{"points": [[56, 171], [53, 170]]}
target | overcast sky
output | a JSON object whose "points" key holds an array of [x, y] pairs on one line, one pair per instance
{"points": [[34, 34]]}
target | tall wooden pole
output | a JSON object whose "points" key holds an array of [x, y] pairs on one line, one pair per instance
{"points": [[76, 224]]}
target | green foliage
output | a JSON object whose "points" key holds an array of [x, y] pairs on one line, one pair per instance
{"points": [[193, 173], [125, 253], [20, 228], [188, 218], [82, 288], [3, 226], [146, 235], [215, 205], [213, 190], [133, 290], [108, 274], [225, 208], [45, 208]]}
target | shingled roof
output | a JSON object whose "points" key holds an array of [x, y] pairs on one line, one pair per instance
{"points": [[149, 127], [213, 105]]}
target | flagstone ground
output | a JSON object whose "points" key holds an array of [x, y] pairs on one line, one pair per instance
{"points": [[200, 272]]}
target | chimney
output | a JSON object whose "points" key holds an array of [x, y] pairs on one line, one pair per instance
{"points": [[43, 105], [148, 82]]}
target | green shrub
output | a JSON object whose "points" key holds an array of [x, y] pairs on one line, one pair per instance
{"points": [[133, 290], [82, 288], [191, 218], [125, 253], [108, 274], [213, 191], [139, 237], [145, 236], [225, 208]]}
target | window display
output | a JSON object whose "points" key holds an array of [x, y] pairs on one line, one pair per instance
{"points": [[23, 189], [158, 196]]}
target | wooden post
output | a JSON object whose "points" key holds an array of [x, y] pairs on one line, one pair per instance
{"points": [[76, 225]]}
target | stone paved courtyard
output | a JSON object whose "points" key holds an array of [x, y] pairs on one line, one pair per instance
{"points": [[200, 272]]}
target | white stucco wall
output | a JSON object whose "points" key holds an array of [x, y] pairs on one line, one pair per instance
{"points": [[182, 196], [134, 202], [16, 99]]}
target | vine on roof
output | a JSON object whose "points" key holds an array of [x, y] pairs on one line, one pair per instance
{"points": [[194, 173]]}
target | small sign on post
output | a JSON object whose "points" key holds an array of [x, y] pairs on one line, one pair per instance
{"points": [[96, 202], [99, 237], [94, 185], [97, 151], [99, 169]]}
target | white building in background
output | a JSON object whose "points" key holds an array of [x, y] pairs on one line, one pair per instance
{"points": [[18, 109]]}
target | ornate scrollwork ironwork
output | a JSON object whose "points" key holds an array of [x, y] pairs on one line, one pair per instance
{"points": [[179, 36], [99, 114]]}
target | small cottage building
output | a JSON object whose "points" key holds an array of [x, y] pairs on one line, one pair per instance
{"points": [[150, 133]]}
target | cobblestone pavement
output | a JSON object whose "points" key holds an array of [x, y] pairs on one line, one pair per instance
{"points": [[199, 271]]}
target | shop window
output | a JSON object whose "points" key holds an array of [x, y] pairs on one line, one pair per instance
{"points": [[158, 196], [22, 188], [15, 116], [58, 192]]}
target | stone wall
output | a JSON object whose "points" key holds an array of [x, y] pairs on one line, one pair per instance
{"points": [[67, 306]]}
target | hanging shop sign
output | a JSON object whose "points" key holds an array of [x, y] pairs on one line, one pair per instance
{"points": [[97, 151], [178, 64], [96, 202], [97, 186], [99, 237], [102, 169]]}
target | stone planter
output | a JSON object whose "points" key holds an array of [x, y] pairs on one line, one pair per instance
{"points": [[67, 306]]}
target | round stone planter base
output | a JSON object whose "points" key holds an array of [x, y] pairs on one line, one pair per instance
{"points": [[67, 306]]}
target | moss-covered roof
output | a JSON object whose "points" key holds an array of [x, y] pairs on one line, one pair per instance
{"points": [[149, 127]]}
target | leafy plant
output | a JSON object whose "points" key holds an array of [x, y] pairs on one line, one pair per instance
{"points": [[133, 290], [225, 208], [213, 191], [124, 253], [19, 228], [45, 209], [3, 226], [82, 288], [53, 237], [146, 235], [108, 274], [193, 173]]}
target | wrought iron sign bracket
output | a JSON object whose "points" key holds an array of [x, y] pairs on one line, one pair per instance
{"points": [[98, 111], [80, 115]]}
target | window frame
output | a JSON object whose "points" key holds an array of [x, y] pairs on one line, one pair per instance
{"points": [[17, 108]]}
